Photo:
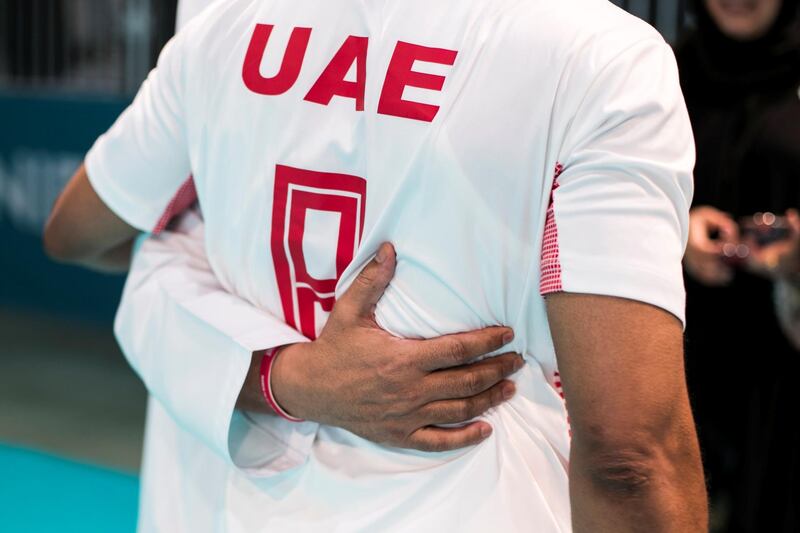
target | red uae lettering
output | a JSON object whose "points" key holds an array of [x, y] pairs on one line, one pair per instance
{"points": [[296, 192], [399, 75], [332, 83], [290, 67]]}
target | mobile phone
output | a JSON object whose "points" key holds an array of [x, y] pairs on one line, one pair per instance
{"points": [[764, 228]]}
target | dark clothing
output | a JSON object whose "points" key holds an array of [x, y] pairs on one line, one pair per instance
{"points": [[745, 109], [34, 39]]}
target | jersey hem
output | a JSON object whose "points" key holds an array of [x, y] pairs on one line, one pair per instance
{"points": [[624, 281], [113, 197]]}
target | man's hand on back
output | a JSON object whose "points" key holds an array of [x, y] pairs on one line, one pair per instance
{"points": [[390, 390]]}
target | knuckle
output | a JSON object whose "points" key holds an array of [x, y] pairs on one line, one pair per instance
{"points": [[430, 415], [391, 412], [414, 398], [390, 374], [421, 445], [402, 365], [396, 433], [365, 279], [437, 445], [476, 406], [472, 383], [457, 348], [464, 410], [341, 314]]}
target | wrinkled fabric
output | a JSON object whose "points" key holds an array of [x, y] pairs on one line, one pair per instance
{"points": [[298, 192]]}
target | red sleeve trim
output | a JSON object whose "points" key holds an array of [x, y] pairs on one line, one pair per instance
{"points": [[551, 263], [185, 197]]}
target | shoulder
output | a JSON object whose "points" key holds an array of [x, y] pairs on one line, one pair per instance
{"points": [[216, 19], [596, 30], [202, 46], [581, 38]]}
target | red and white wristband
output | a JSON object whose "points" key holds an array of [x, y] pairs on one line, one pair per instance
{"points": [[266, 384]]}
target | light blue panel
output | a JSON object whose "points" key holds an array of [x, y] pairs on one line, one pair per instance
{"points": [[44, 494]]}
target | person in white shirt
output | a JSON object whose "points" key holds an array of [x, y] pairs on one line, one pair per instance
{"points": [[188, 9], [174, 315], [317, 132]]}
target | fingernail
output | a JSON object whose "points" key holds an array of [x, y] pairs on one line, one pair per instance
{"points": [[508, 337], [486, 431], [519, 363], [382, 255], [508, 391]]}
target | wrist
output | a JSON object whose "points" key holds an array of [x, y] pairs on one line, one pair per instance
{"points": [[287, 379]]}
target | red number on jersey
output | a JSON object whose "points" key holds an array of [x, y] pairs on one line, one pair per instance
{"points": [[297, 192]]}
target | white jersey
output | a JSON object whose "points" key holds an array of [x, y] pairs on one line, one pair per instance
{"points": [[188, 9], [508, 149]]}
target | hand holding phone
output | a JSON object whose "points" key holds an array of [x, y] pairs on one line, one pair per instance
{"points": [[764, 228], [773, 244]]}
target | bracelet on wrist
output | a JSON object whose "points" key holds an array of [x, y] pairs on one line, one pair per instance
{"points": [[266, 384]]}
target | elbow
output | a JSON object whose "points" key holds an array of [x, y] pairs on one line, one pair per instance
{"points": [[51, 242], [626, 472], [56, 243], [655, 479], [635, 462]]}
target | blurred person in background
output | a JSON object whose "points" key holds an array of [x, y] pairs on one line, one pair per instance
{"points": [[740, 71], [786, 259]]}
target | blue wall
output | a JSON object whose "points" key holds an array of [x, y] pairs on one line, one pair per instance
{"points": [[42, 141]]}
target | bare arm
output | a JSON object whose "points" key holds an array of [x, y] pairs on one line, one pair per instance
{"points": [[84, 231], [635, 460]]}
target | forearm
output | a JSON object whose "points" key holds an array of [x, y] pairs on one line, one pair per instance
{"points": [[82, 230], [117, 260], [651, 489]]}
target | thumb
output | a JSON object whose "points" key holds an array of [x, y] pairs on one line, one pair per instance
{"points": [[722, 222], [371, 282]]}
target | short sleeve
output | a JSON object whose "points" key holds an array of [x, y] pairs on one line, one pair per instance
{"points": [[137, 166], [618, 218]]}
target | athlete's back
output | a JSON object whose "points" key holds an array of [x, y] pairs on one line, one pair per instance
{"points": [[316, 131]]}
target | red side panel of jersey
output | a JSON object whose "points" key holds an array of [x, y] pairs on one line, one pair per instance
{"points": [[185, 197], [551, 263], [560, 390]]}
